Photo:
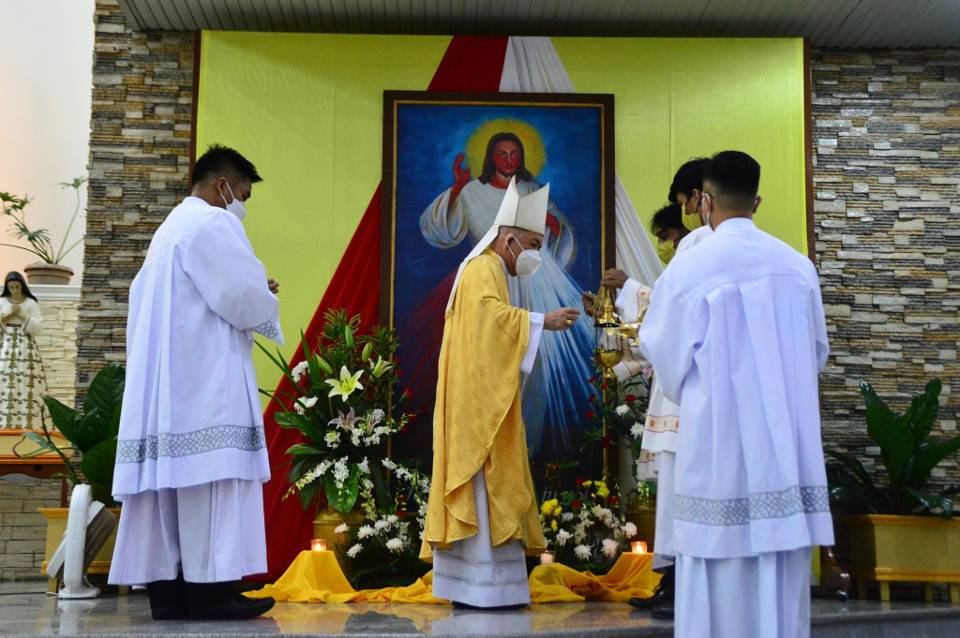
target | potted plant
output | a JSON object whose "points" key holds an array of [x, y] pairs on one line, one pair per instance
{"points": [[343, 409], [903, 529], [49, 270], [91, 454]]}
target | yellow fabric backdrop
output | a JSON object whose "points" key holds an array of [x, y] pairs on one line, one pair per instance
{"points": [[307, 110]]}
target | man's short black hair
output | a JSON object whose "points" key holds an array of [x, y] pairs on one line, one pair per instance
{"points": [[735, 178], [222, 160], [670, 216], [688, 177]]}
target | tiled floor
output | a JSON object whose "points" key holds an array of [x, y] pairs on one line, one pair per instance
{"points": [[26, 611]]}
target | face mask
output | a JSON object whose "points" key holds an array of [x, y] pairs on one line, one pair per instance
{"points": [[666, 251], [528, 261], [236, 207], [691, 221]]}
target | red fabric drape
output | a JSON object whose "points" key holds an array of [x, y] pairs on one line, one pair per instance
{"points": [[470, 64]]}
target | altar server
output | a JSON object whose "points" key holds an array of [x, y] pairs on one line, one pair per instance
{"points": [[736, 333], [482, 513], [191, 455]]}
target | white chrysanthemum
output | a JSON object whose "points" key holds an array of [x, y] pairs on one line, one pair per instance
{"points": [[563, 536], [381, 524], [610, 547], [566, 517], [377, 416], [333, 440], [342, 528], [395, 544], [582, 552], [622, 409], [365, 532], [637, 430], [353, 551], [392, 519], [629, 530], [298, 370]]}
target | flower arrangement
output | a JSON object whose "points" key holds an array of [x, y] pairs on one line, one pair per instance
{"points": [[584, 527], [342, 409], [384, 549]]}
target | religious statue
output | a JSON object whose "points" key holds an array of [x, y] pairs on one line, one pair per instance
{"points": [[22, 382]]}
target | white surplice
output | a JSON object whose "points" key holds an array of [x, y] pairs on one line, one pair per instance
{"points": [[190, 423], [737, 335], [659, 444], [472, 571]]}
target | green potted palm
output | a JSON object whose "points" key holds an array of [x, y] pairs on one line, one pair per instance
{"points": [[50, 269], [900, 528], [90, 456]]}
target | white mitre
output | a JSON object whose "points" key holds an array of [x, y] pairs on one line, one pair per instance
{"points": [[528, 212]]}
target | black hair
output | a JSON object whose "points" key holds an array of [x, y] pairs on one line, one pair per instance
{"points": [[688, 177], [15, 276], [489, 169], [670, 216], [222, 160], [735, 177]]}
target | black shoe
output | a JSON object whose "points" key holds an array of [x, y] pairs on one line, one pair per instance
{"points": [[663, 611], [465, 606], [661, 596], [232, 608], [168, 599]]}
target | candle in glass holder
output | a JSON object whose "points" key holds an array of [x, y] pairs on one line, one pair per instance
{"points": [[318, 544], [638, 547], [547, 558]]}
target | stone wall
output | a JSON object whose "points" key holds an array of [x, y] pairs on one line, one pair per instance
{"points": [[22, 528], [58, 339], [887, 181], [139, 163]]}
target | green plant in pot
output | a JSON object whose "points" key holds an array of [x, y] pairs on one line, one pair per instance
{"points": [[902, 529], [909, 456], [50, 269], [92, 433]]}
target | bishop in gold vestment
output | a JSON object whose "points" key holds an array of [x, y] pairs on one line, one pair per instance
{"points": [[482, 514]]}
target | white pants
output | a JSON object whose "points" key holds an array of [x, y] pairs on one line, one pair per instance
{"points": [[765, 596], [475, 573], [211, 532], [663, 539]]}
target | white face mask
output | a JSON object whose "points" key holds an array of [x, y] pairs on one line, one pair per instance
{"points": [[528, 261], [236, 207]]}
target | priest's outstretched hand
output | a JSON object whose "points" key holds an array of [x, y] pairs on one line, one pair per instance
{"points": [[561, 319]]}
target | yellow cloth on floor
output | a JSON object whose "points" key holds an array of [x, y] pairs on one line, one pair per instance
{"points": [[316, 577], [630, 577]]}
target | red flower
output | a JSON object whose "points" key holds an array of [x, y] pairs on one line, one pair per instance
{"points": [[614, 500], [407, 394], [592, 380], [576, 505], [630, 398], [604, 386], [607, 442], [592, 398], [591, 416], [580, 482]]}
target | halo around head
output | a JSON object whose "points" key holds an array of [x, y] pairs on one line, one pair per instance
{"points": [[535, 155]]}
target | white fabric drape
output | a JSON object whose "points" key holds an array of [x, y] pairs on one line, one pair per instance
{"points": [[532, 65]]}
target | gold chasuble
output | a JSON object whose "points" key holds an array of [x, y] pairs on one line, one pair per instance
{"points": [[477, 421]]}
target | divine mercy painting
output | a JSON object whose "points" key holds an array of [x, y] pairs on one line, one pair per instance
{"points": [[448, 159]]}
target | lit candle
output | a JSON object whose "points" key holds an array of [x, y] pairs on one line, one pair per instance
{"points": [[546, 558], [638, 547], [318, 544]]}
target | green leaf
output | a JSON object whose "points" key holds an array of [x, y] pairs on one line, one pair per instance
{"points": [[933, 502], [43, 446], [64, 418], [929, 455], [302, 449], [888, 431], [294, 421], [923, 410], [104, 397], [343, 499], [97, 466], [854, 465]]}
